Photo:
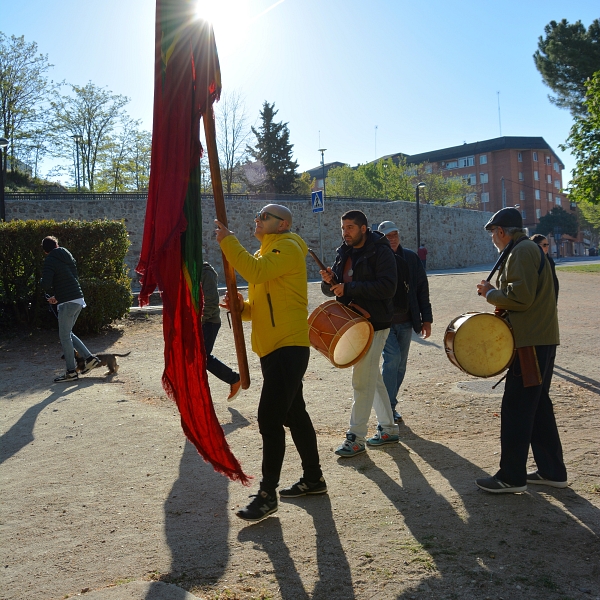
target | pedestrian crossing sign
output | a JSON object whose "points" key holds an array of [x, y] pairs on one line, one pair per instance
{"points": [[317, 201]]}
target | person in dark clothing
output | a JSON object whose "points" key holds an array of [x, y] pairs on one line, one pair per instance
{"points": [[418, 318], [365, 268], [422, 253], [544, 244], [59, 278], [211, 323]]}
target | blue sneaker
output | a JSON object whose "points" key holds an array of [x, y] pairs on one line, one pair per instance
{"points": [[380, 438], [350, 447]]}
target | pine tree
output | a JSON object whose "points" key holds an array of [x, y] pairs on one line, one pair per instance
{"points": [[274, 152]]}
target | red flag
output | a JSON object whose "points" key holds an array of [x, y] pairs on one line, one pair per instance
{"points": [[187, 81]]}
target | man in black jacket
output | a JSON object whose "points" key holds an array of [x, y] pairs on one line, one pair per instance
{"points": [[59, 277], [365, 268], [418, 318]]}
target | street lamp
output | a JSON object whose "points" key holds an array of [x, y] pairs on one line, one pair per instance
{"points": [[421, 184], [322, 151], [3, 145], [77, 139]]}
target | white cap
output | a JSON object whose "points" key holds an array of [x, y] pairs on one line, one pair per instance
{"points": [[387, 227]]}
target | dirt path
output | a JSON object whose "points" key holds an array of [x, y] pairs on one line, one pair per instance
{"points": [[99, 487]]}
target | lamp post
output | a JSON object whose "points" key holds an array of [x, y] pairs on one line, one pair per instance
{"points": [[77, 139], [557, 235], [322, 151], [421, 184], [3, 145]]}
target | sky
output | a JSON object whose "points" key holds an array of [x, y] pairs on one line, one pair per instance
{"points": [[359, 78]]}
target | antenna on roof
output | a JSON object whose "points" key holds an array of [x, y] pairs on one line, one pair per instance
{"points": [[375, 142], [499, 119]]}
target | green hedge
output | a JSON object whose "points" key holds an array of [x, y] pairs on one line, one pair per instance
{"points": [[99, 247]]}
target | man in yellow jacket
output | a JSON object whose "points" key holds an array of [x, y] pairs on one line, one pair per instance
{"points": [[277, 305]]}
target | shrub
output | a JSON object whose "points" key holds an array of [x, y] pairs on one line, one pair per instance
{"points": [[99, 247]]}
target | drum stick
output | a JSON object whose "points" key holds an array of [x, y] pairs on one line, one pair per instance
{"points": [[500, 260], [322, 266]]}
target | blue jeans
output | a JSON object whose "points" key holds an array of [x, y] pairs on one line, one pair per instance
{"points": [[213, 364], [395, 355], [67, 315]]}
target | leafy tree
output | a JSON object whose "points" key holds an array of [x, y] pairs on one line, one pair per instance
{"points": [[558, 217], [589, 219], [232, 136], [565, 58], [140, 160], [385, 179], [92, 113], [274, 152], [584, 143], [304, 184], [24, 90]]}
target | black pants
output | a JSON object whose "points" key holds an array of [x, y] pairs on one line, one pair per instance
{"points": [[282, 404], [213, 364], [528, 418]]}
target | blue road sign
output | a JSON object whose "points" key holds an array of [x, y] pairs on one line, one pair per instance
{"points": [[316, 199]]}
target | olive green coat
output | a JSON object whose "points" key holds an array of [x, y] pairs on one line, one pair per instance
{"points": [[528, 297]]}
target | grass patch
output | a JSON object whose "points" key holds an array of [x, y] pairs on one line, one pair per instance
{"points": [[580, 268]]}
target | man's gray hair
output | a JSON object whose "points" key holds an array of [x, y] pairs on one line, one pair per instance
{"points": [[513, 230]]}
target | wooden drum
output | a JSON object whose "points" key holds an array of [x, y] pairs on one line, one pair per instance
{"points": [[480, 344], [339, 334]]}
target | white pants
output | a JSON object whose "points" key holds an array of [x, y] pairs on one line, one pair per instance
{"points": [[370, 391]]}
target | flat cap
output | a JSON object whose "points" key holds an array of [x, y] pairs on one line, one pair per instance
{"points": [[387, 227], [506, 217]]}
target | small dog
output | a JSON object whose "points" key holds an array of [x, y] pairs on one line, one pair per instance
{"points": [[106, 360]]}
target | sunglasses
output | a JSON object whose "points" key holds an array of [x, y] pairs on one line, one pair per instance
{"points": [[264, 216]]}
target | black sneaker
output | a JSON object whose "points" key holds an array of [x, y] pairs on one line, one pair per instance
{"points": [[495, 486], [90, 363], [68, 376], [260, 508], [536, 478], [304, 488]]}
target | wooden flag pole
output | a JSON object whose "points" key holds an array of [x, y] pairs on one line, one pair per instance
{"points": [[217, 185]]}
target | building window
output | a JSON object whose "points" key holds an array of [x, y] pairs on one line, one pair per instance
{"points": [[556, 167], [535, 156], [549, 197], [320, 183], [521, 178], [428, 168], [549, 178], [485, 197], [453, 164], [471, 198], [520, 157], [467, 161], [548, 160], [483, 177], [557, 184], [558, 201], [536, 175], [471, 179], [538, 212], [537, 194], [523, 214], [522, 195], [483, 159]]}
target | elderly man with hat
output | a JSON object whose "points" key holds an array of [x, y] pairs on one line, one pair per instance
{"points": [[417, 318], [524, 294]]}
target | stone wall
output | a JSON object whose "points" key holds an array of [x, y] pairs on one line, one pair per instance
{"points": [[454, 237]]}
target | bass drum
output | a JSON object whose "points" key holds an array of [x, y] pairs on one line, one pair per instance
{"points": [[480, 344], [339, 334]]}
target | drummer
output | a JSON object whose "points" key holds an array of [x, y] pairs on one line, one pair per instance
{"points": [[525, 290], [277, 305], [365, 268]]}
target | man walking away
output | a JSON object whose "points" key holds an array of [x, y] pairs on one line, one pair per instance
{"points": [[59, 278]]}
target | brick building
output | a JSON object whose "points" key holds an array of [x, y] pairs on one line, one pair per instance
{"points": [[505, 171]]}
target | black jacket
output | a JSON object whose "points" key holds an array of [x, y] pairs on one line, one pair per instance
{"points": [[374, 278], [418, 289], [59, 276]]}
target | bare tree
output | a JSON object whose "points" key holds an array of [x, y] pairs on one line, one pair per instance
{"points": [[92, 113], [232, 133], [24, 90]]}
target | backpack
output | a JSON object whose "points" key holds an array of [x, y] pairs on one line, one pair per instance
{"points": [[401, 303]]}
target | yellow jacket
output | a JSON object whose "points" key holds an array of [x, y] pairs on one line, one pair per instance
{"points": [[277, 301]]}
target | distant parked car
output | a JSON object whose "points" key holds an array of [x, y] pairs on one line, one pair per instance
{"points": [[593, 252]]}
